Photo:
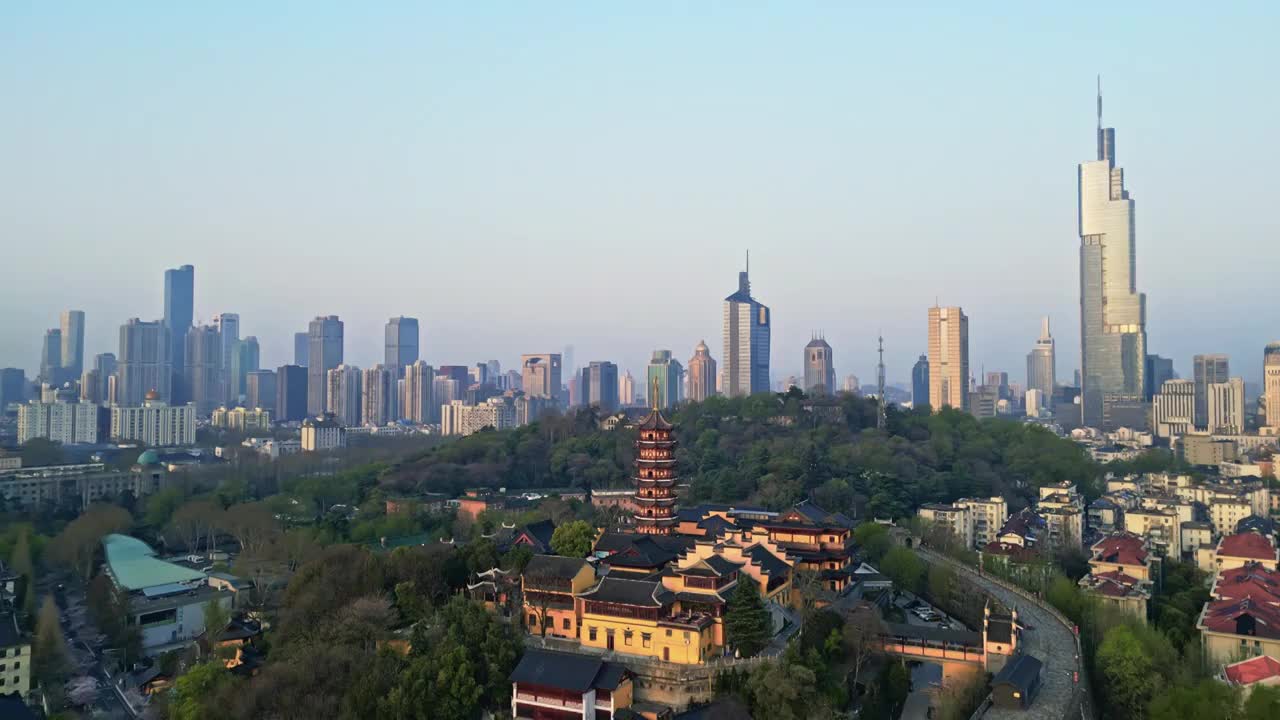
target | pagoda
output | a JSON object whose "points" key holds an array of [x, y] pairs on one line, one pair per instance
{"points": [[655, 498]]}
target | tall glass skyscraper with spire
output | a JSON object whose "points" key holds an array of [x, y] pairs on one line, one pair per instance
{"points": [[746, 342], [1113, 314]]}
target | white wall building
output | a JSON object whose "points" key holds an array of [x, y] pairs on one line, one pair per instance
{"points": [[67, 423], [155, 424], [458, 418]]}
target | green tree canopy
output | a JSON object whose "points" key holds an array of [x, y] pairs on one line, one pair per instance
{"points": [[573, 539], [905, 568], [747, 624], [873, 540]]}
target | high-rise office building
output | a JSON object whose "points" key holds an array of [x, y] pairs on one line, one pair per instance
{"points": [[746, 342], [600, 385], [260, 391], [104, 365], [291, 393], [1158, 370], [203, 377], [418, 402], [154, 422], [664, 380], [1270, 383], [1042, 370], [1173, 409], [702, 373], [920, 382], [1113, 314], [851, 385], [13, 387], [948, 358], [179, 315], [324, 353], [540, 376], [378, 392], [143, 362], [401, 346], [72, 344], [51, 357], [1226, 406], [626, 390], [819, 370], [1207, 370], [343, 394], [91, 388], [245, 358], [66, 422], [228, 325], [301, 348]]}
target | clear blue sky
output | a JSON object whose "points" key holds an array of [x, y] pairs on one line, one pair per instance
{"points": [[522, 176]]}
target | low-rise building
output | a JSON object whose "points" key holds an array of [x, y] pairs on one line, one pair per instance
{"points": [[1242, 617], [15, 657], [322, 433], [155, 423], [460, 419], [68, 423], [1248, 674], [643, 617], [1237, 550], [954, 518], [1162, 528], [1120, 573], [78, 486], [987, 516], [241, 419], [549, 585], [549, 685], [1196, 534]]}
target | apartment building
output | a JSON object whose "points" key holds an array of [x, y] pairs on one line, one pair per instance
{"points": [[954, 518]]}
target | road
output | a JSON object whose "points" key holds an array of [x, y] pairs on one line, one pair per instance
{"points": [[1044, 638], [84, 644]]}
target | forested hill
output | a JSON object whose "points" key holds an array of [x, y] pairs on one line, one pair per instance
{"points": [[774, 450]]}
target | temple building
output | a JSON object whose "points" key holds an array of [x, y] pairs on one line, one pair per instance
{"points": [[655, 476]]}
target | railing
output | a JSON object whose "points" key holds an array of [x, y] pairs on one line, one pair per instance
{"points": [[549, 700]]}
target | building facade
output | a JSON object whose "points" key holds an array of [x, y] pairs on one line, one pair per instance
{"points": [[260, 390], [401, 343], [702, 373], [179, 313], [459, 419], [747, 329], [656, 476], [1113, 314], [155, 423], [1042, 362], [1225, 406], [323, 433], [291, 393], [819, 368], [203, 376], [143, 363], [919, 382], [1173, 409], [378, 392], [324, 353], [1271, 383], [948, 358], [664, 380], [600, 385], [63, 422], [540, 376], [418, 402], [1207, 370], [343, 395], [72, 330]]}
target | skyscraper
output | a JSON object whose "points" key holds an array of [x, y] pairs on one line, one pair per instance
{"points": [[626, 390], [1158, 370], [228, 325], [1173, 409], [1113, 314], [600, 385], [203, 376], [1207, 370], [540, 376], [1042, 370], [260, 391], [51, 357], [342, 387], [143, 362], [1226, 406], [301, 348], [746, 342], [72, 344], [324, 353], [948, 358], [664, 380], [13, 387], [819, 372], [702, 373], [418, 387], [378, 391], [179, 314], [401, 343], [291, 393], [1271, 383], [245, 358], [920, 382]]}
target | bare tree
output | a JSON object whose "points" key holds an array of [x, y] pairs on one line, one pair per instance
{"points": [[863, 630]]}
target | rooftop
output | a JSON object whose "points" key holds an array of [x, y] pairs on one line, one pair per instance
{"points": [[641, 593], [567, 671], [554, 566], [1022, 672], [134, 565], [1247, 545], [1247, 672]]}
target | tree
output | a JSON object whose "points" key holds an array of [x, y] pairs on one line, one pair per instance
{"points": [[747, 624], [1206, 700], [874, 540], [76, 546], [20, 563], [905, 568], [216, 618], [573, 539], [861, 639], [41, 451], [197, 522], [51, 662], [195, 691], [783, 689], [1263, 703], [889, 693], [1129, 678], [441, 685]]}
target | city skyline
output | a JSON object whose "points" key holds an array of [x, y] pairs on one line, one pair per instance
{"points": [[1039, 129]]}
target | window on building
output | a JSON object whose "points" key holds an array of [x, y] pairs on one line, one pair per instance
{"points": [[564, 623], [645, 639], [668, 632], [626, 637], [533, 619], [17, 665], [591, 634]]}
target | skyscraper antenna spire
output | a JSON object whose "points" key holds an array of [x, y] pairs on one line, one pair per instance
{"points": [[880, 416]]}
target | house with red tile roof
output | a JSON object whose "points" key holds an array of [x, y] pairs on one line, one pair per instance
{"points": [[1247, 674], [1120, 573], [1242, 617], [1239, 549]]}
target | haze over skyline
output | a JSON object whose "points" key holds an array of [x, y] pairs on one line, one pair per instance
{"points": [[522, 178]]}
